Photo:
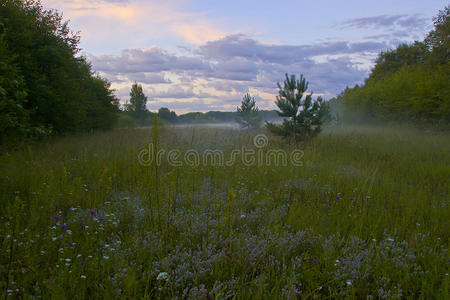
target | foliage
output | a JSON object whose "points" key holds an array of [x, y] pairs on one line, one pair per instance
{"points": [[137, 107], [407, 84], [167, 115], [248, 116], [305, 117], [138, 100], [14, 118], [438, 40], [47, 87]]}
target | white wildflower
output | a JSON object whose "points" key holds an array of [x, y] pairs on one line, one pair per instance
{"points": [[163, 276]]}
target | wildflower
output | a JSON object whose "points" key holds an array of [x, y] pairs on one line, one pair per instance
{"points": [[106, 257], [349, 282], [101, 219], [338, 198], [61, 237], [83, 276], [63, 226], [92, 212], [315, 261], [163, 276], [329, 203], [57, 218], [71, 244], [68, 259], [82, 263]]}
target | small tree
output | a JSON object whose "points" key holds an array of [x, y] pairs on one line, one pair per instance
{"points": [[248, 113], [138, 100], [137, 106], [305, 117]]}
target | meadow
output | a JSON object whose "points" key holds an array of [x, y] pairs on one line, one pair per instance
{"points": [[364, 216]]}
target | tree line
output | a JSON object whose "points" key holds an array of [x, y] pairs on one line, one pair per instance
{"points": [[407, 84], [46, 87]]}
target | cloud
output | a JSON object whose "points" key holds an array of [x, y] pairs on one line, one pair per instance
{"points": [[116, 22], [178, 92], [241, 46], [410, 22], [197, 34], [148, 78], [146, 60], [220, 72]]}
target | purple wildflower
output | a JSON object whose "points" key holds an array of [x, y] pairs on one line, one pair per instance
{"points": [[101, 219], [329, 203], [61, 237], [57, 218], [338, 198], [92, 212], [82, 263], [181, 249], [71, 244], [63, 226], [315, 261]]}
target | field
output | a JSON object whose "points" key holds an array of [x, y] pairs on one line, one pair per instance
{"points": [[364, 214]]}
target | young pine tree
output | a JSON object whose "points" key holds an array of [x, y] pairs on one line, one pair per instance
{"points": [[305, 116], [248, 113]]}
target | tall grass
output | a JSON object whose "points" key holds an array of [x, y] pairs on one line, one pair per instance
{"points": [[365, 215]]}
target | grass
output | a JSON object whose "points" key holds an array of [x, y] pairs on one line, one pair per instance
{"points": [[365, 216]]}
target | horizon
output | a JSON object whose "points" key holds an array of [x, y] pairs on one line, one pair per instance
{"points": [[194, 56]]}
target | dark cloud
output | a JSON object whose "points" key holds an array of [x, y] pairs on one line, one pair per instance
{"points": [[411, 22], [243, 47], [178, 92], [148, 78], [146, 60]]}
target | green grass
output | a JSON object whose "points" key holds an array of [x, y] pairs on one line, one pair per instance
{"points": [[365, 215]]}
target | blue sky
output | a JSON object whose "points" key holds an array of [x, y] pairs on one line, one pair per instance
{"points": [[205, 55]]}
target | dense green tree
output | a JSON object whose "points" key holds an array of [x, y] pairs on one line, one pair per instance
{"points": [[305, 115], [138, 104], [248, 116], [167, 115], [404, 55], [14, 119], [438, 40], [138, 100], [409, 83], [55, 87]]}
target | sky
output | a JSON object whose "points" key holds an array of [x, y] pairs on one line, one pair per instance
{"points": [[199, 55]]}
